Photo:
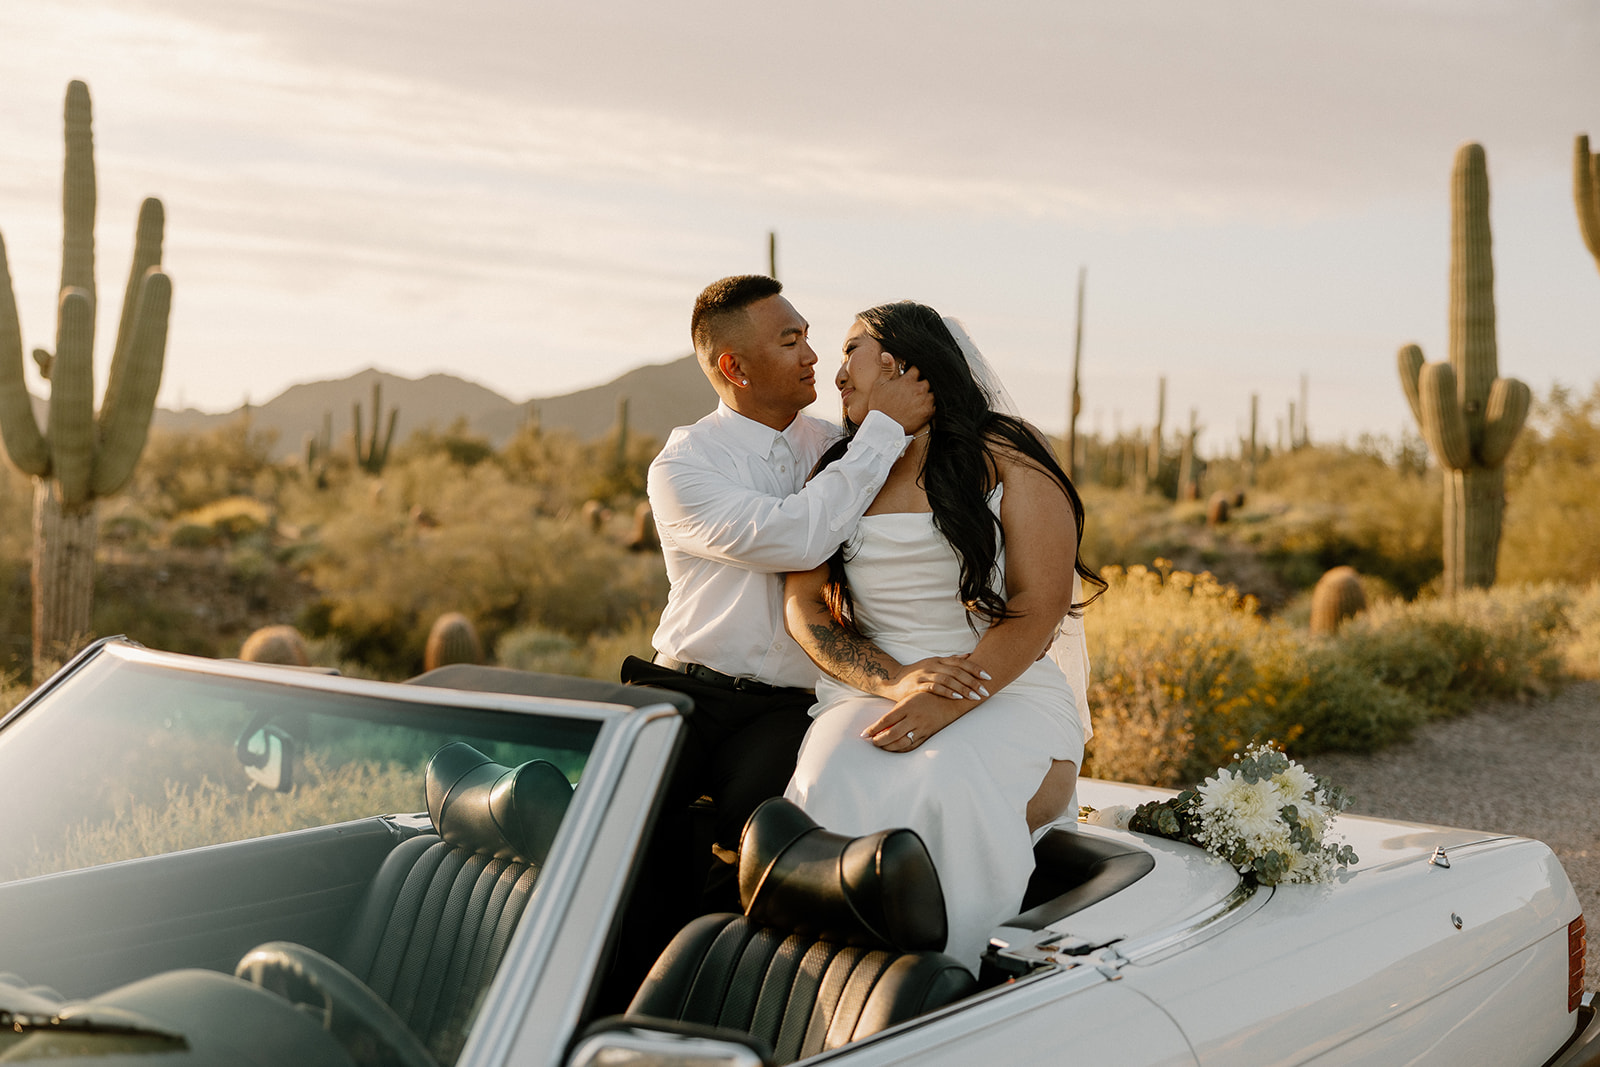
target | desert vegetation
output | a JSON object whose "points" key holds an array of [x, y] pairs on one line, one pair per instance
{"points": [[1203, 642]]}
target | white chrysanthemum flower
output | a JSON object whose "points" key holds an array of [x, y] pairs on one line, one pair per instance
{"points": [[1296, 782], [1244, 809]]}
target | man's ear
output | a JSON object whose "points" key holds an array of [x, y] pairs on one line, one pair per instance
{"points": [[728, 363]]}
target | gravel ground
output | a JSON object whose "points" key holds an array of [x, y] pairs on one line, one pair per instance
{"points": [[1526, 769]]}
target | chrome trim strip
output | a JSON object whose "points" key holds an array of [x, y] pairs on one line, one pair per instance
{"points": [[1152, 944]]}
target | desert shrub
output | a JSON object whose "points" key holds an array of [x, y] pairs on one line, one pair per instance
{"points": [[1125, 528], [600, 655], [1347, 507], [457, 443], [1553, 494], [1311, 510], [1501, 643], [1581, 654], [180, 472], [1319, 699], [561, 471], [1185, 672], [534, 648], [231, 518], [486, 554], [1173, 686]]}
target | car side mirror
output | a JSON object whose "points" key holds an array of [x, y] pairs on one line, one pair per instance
{"points": [[635, 1041], [267, 753]]}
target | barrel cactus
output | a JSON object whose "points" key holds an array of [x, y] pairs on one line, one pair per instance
{"points": [[1586, 194], [276, 644], [1338, 596], [453, 639], [1469, 416], [81, 457]]}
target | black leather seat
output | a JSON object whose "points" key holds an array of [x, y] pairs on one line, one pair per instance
{"points": [[436, 920], [840, 938]]}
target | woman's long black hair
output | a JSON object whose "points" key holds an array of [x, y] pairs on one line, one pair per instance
{"points": [[958, 469]]}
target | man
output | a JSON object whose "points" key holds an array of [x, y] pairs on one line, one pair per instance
{"points": [[735, 514]]}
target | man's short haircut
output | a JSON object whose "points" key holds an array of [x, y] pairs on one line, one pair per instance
{"points": [[721, 301]]}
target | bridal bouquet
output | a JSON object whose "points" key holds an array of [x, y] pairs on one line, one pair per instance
{"points": [[1263, 813]]}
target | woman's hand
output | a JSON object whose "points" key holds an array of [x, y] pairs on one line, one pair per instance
{"points": [[944, 676], [913, 720]]}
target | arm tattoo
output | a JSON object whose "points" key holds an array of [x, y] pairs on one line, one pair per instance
{"points": [[845, 656]]}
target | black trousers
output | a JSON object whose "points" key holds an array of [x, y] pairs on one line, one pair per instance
{"points": [[739, 749]]}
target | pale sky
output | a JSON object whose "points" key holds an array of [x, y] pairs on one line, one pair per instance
{"points": [[530, 195]]}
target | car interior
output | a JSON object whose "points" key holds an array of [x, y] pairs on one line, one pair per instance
{"points": [[373, 941]]}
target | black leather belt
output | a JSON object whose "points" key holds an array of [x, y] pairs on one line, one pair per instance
{"points": [[716, 678]]}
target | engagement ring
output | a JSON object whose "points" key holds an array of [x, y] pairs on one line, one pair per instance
{"points": [[911, 735]]}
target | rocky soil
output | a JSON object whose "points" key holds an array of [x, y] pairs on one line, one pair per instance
{"points": [[1526, 769]]}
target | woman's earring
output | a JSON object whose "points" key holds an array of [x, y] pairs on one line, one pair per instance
{"points": [[744, 381]]}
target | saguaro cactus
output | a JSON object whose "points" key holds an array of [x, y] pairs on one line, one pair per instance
{"points": [[1586, 194], [80, 458], [370, 455], [1469, 416]]}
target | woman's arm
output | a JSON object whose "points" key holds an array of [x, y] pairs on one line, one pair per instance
{"points": [[1041, 545], [858, 661]]}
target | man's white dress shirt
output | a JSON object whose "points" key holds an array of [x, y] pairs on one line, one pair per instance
{"points": [[736, 514]]}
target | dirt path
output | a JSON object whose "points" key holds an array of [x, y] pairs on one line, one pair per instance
{"points": [[1531, 770]]}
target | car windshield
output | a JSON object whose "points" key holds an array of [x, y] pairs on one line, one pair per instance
{"points": [[171, 823], [127, 759]]}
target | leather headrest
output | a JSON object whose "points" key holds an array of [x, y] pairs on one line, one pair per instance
{"points": [[510, 813], [876, 891]]}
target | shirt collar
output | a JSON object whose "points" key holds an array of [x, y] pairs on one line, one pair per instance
{"points": [[758, 438]]}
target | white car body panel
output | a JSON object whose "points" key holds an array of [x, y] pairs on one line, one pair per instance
{"points": [[1291, 985]]}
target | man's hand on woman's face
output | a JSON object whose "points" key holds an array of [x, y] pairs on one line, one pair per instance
{"points": [[905, 398]]}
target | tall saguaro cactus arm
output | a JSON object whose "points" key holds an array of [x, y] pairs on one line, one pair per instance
{"points": [[78, 195], [1469, 416], [146, 255], [1586, 194], [72, 398], [25, 444], [125, 418]]}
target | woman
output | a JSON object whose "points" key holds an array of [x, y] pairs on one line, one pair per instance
{"points": [[941, 608]]}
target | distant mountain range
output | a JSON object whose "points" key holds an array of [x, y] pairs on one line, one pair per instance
{"points": [[660, 396]]}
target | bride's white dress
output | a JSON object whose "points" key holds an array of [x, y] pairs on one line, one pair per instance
{"points": [[964, 791]]}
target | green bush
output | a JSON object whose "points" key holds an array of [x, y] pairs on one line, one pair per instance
{"points": [[1553, 494], [1186, 673], [1325, 701], [383, 578]]}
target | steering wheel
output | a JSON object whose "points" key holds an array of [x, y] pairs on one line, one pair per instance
{"points": [[366, 1027]]}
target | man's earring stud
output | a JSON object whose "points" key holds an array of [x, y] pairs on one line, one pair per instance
{"points": [[744, 381]]}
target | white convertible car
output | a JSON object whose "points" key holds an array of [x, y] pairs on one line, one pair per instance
{"points": [[209, 862]]}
